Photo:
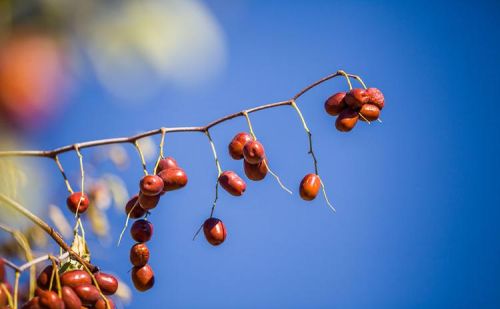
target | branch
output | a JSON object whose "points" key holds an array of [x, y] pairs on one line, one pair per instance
{"points": [[47, 228], [132, 139]]}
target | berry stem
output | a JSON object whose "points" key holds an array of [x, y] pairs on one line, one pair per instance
{"points": [[326, 196], [212, 145], [58, 280], [16, 287], [309, 136], [66, 181], [250, 127], [358, 78], [47, 228], [7, 293], [126, 222], [160, 155], [82, 172], [141, 155], [341, 72]]}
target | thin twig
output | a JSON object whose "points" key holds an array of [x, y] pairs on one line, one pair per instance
{"points": [[66, 181], [141, 155]]}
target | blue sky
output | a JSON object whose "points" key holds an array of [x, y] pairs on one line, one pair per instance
{"points": [[416, 197]]}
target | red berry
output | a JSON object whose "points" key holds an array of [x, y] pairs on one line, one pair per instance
{"points": [[43, 279], [148, 202], [309, 187], [232, 183], [34, 303], [346, 120], [215, 231], [173, 178], [76, 277], [257, 171], [77, 201], [166, 163], [143, 278], [335, 104], [134, 206], [151, 185], [87, 293], [70, 299], [356, 98], [101, 304], [369, 112], [2, 270], [139, 254], [49, 300], [107, 283], [142, 230], [375, 97], [236, 145], [253, 152]]}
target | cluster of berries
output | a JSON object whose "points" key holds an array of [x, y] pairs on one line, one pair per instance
{"points": [[77, 290], [357, 103], [169, 176]]}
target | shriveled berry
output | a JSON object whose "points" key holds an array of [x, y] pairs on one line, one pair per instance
{"points": [[70, 299], [137, 211], [107, 283], [309, 187], [346, 120], [143, 278], [232, 183], [148, 202], [75, 277], [101, 304], [166, 163], [139, 254], [43, 279], [87, 293], [257, 171], [151, 185], [77, 201], [369, 112], [253, 152], [335, 104], [173, 178], [215, 231], [375, 97], [236, 145], [142, 230], [356, 98]]}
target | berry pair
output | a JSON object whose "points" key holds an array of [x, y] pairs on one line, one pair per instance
{"points": [[77, 290], [357, 103]]}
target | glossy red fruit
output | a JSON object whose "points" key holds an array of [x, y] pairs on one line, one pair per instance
{"points": [[335, 104], [43, 279], [3, 297], [101, 304], [253, 152], [375, 97], [87, 293], [143, 278], [236, 145], [76, 277], [70, 299], [346, 120], [356, 97], [309, 187], [166, 163], [50, 300], [148, 202], [215, 231], [2, 270], [139, 254], [34, 303], [173, 178], [142, 230], [151, 185], [369, 112], [107, 283], [257, 171], [232, 183], [138, 211], [74, 204]]}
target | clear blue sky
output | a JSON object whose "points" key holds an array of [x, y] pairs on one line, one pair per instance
{"points": [[416, 197]]}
